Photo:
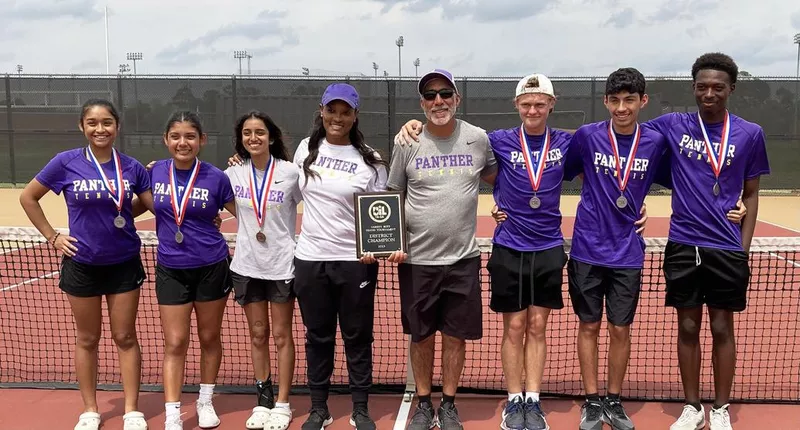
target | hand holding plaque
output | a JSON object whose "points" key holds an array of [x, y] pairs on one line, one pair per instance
{"points": [[380, 224]]}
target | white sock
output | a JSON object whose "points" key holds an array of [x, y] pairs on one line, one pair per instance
{"points": [[173, 409], [534, 396], [206, 392], [282, 405], [512, 396]]}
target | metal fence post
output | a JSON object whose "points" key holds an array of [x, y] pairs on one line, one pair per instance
{"points": [[464, 99], [10, 131], [121, 104], [391, 87], [592, 106]]}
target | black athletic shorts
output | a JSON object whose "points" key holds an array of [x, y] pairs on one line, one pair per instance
{"points": [[90, 280], [198, 284], [522, 279], [714, 277], [251, 290], [590, 284], [446, 298]]}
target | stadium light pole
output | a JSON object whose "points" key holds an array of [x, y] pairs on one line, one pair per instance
{"points": [[19, 75], [134, 56], [399, 43], [375, 67], [239, 55], [416, 67], [249, 56], [796, 82]]}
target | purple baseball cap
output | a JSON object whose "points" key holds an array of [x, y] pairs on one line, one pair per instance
{"points": [[433, 74], [343, 92]]}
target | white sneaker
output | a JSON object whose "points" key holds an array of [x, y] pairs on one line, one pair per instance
{"points": [[719, 419], [279, 419], [690, 419], [174, 424], [206, 415], [258, 419]]}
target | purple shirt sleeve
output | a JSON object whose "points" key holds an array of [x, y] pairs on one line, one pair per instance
{"points": [[225, 191], [142, 179], [53, 175], [759, 163], [574, 162]]}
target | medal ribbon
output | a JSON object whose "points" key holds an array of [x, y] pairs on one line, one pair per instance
{"points": [[115, 189], [717, 159], [622, 178], [534, 172], [179, 201], [258, 196]]}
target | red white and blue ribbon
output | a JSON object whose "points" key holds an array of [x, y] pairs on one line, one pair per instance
{"points": [[258, 195], [534, 172], [717, 159], [117, 188], [179, 200], [623, 174]]}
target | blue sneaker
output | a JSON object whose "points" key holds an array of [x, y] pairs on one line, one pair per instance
{"points": [[514, 415], [534, 417]]}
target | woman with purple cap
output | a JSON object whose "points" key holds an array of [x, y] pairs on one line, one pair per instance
{"points": [[192, 272], [101, 253], [331, 282]]}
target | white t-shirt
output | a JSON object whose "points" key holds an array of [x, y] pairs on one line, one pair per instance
{"points": [[329, 225], [274, 258]]}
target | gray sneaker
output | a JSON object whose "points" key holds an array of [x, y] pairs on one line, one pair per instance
{"points": [[447, 415], [591, 416], [514, 415], [534, 417], [614, 414], [422, 418]]}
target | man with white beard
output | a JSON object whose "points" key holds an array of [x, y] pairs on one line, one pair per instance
{"points": [[440, 276]]}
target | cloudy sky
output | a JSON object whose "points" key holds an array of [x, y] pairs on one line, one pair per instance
{"points": [[471, 37]]}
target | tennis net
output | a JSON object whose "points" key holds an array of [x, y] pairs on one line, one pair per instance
{"points": [[37, 335]]}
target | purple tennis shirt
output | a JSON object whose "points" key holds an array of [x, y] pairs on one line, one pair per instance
{"points": [[528, 229], [90, 207], [698, 215], [202, 243]]}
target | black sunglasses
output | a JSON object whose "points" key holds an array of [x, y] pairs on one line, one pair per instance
{"points": [[444, 93]]}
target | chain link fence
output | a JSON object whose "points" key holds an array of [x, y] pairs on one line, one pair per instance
{"points": [[39, 114]]}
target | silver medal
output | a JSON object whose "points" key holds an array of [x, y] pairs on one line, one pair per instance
{"points": [[622, 202], [179, 237], [535, 202], [119, 221], [716, 188]]}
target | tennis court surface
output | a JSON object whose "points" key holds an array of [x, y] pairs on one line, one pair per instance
{"points": [[37, 343]]}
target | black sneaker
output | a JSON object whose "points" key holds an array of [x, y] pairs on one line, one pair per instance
{"points": [[360, 419], [266, 393], [422, 418], [534, 417], [614, 414], [318, 419], [591, 416], [514, 415], [447, 417]]}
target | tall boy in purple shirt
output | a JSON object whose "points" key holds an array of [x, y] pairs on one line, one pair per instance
{"points": [[716, 158]]}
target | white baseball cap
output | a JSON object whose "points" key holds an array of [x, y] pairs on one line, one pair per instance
{"points": [[536, 83]]}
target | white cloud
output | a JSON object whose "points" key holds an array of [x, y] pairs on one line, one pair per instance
{"points": [[473, 37]]}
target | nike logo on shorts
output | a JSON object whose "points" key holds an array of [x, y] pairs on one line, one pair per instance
{"points": [[278, 182], [470, 143], [363, 284]]}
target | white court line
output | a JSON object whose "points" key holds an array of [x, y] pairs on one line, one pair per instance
{"points": [[29, 281], [788, 260], [779, 226], [402, 413]]}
